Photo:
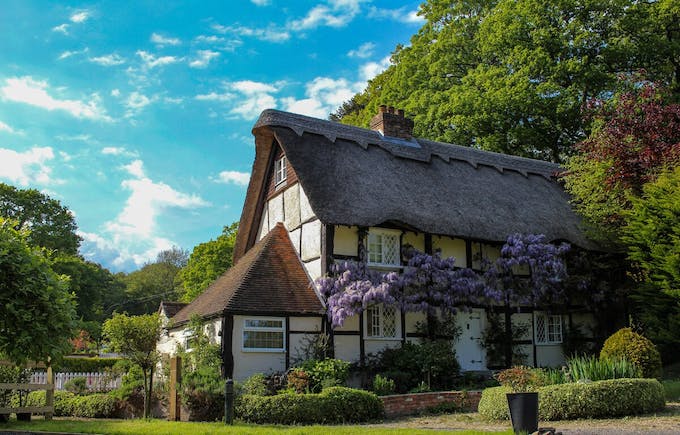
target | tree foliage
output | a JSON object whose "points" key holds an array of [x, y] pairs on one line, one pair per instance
{"points": [[512, 76], [135, 337], [36, 309], [652, 232], [51, 224], [146, 287], [207, 262]]}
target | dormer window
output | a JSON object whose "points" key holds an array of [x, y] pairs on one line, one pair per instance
{"points": [[280, 171]]}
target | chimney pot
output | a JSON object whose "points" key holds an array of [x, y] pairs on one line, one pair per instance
{"points": [[400, 112], [383, 108], [390, 109]]}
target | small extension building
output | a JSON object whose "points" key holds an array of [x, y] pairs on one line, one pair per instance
{"points": [[321, 192]]}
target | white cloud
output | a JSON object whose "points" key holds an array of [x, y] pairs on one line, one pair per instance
{"points": [[80, 16], [26, 167], [270, 34], [218, 42], [133, 238], [35, 93], [364, 51], [115, 93], [108, 60], [118, 151], [135, 168], [136, 102], [250, 97], [336, 13], [233, 177], [260, 2], [152, 61], [204, 58], [213, 96], [66, 54], [6, 128], [164, 40], [62, 28], [371, 69], [401, 15], [323, 96]]}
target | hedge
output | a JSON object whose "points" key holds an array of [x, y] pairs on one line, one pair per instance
{"points": [[332, 405], [85, 365], [600, 399], [70, 405]]}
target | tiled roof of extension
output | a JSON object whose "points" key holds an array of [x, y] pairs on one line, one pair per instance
{"points": [[268, 279]]}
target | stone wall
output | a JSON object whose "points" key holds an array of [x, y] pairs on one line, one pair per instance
{"points": [[407, 404]]}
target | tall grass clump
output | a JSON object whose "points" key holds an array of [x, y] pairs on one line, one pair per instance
{"points": [[581, 368]]}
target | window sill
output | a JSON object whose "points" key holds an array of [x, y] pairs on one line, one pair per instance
{"points": [[264, 350], [382, 339]]}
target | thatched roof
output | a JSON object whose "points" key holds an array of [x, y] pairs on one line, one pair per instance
{"points": [[355, 176], [268, 280]]}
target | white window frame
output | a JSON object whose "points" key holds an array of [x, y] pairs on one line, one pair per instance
{"points": [[280, 170], [550, 321], [381, 232], [380, 309], [281, 329], [188, 335]]}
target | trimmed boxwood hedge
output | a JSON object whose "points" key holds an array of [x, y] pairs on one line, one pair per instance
{"points": [[85, 364], [70, 405], [332, 405], [600, 399]]}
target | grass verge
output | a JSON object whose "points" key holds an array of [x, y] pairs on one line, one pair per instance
{"points": [[162, 427]]}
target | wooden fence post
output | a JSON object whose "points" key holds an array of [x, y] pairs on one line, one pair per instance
{"points": [[49, 393], [174, 411]]}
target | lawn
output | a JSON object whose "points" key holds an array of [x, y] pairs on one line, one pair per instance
{"points": [[162, 427]]}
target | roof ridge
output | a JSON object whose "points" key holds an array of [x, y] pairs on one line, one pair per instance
{"points": [[417, 149]]}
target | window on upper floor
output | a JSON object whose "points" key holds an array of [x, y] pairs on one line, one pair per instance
{"points": [[280, 171], [384, 247], [547, 328], [264, 334], [381, 321]]}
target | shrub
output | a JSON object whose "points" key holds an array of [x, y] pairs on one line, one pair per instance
{"points": [[383, 386], [671, 390], [255, 385], [77, 386], [62, 401], [600, 399], [85, 365], [93, 406], [635, 348], [325, 373], [298, 380], [332, 405], [433, 362]]}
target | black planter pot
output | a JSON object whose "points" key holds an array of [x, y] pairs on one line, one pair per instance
{"points": [[523, 411]]}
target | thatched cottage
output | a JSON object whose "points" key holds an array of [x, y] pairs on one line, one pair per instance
{"points": [[322, 192]]}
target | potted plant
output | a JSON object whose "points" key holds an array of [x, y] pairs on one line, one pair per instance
{"points": [[523, 399]]}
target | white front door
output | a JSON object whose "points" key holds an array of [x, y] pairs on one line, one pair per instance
{"points": [[469, 350]]}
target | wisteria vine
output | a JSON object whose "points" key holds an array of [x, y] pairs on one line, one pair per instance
{"points": [[430, 282]]}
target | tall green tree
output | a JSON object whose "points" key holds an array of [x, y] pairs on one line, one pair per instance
{"points": [[136, 337], [146, 287], [37, 311], [513, 75], [52, 225], [207, 262]]}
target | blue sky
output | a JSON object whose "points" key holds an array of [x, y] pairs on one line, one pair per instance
{"points": [[137, 114]]}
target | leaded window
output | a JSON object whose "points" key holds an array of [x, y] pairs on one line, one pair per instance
{"points": [[381, 321], [384, 248], [547, 328]]}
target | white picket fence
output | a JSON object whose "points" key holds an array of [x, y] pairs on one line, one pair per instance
{"points": [[95, 381]]}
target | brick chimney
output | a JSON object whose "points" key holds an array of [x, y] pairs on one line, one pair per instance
{"points": [[392, 124]]}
